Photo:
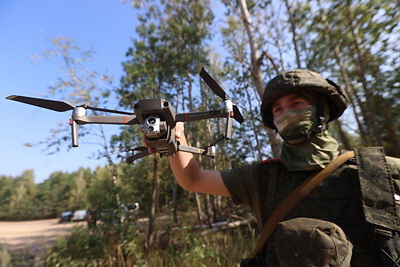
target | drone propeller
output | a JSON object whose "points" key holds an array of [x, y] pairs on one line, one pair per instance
{"points": [[237, 115], [55, 105], [59, 106], [217, 89], [214, 86]]}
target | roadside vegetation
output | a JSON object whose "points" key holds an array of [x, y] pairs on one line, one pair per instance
{"points": [[126, 246]]}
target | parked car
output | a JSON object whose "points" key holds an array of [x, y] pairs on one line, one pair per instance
{"points": [[79, 215], [126, 212], [65, 216]]}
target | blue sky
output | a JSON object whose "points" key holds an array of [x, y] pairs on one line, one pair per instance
{"points": [[25, 29]]}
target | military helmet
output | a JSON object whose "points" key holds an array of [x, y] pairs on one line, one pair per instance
{"points": [[300, 81]]}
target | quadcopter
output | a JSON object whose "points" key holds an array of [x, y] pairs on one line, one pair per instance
{"points": [[156, 118]]}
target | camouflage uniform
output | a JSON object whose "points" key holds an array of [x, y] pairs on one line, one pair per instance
{"points": [[361, 197], [263, 186]]}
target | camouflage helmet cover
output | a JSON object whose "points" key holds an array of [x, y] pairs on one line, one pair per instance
{"points": [[300, 81]]}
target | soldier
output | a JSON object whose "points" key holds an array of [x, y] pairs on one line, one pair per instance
{"points": [[351, 218]]}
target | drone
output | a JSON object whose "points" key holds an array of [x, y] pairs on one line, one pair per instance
{"points": [[156, 117]]}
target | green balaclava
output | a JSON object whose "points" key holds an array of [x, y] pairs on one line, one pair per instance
{"points": [[312, 153]]}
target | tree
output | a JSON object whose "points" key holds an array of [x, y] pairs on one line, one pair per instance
{"points": [[254, 62], [6, 189], [361, 32], [21, 200], [53, 194], [81, 85], [162, 62], [77, 194]]}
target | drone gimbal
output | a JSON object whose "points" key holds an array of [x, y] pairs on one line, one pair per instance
{"points": [[156, 117]]}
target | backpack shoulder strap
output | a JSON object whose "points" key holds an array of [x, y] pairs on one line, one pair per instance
{"points": [[377, 188]]}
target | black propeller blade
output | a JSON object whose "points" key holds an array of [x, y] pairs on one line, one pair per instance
{"points": [[237, 115], [59, 106], [217, 89], [55, 105], [214, 86]]}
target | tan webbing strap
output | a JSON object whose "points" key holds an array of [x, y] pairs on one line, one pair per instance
{"points": [[296, 196]]}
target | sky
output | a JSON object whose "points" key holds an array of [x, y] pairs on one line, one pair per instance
{"points": [[25, 29]]}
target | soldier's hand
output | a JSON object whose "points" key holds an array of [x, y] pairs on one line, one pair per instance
{"points": [[179, 130]]}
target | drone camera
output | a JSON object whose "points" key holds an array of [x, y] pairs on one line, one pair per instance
{"points": [[153, 127]]}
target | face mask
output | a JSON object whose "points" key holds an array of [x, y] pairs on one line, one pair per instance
{"points": [[315, 154], [300, 154], [295, 123]]}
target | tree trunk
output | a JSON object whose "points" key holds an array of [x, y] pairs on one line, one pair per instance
{"points": [[175, 203], [256, 72], [370, 114], [255, 129], [152, 215], [343, 138], [294, 34], [200, 213], [345, 77]]}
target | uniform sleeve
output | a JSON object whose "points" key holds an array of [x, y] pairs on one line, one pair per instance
{"points": [[242, 183], [394, 165]]}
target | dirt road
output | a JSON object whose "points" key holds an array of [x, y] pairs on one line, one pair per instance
{"points": [[33, 234]]}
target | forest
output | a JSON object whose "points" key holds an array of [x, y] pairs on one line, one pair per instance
{"points": [[354, 43]]}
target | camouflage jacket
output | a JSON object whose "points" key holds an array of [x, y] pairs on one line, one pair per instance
{"points": [[349, 198]]}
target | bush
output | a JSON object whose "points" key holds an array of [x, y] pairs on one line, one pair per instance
{"points": [[125, 245], [20, 257]]}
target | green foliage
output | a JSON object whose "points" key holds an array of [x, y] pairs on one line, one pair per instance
{"points": [[79, 249], [101, 191], [5, 193], [354, 43], [188, 248], [19, 196], [22, 199], [360, 35], [21, 257], [169, 49], [124, 245]]}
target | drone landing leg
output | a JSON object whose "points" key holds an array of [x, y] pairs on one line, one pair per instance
{"points": [[141, 154], [210, 152], [74, 131]]}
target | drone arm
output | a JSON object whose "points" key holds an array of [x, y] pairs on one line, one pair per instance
{"points": [[228, 128], [201, 115], [129, 120]]}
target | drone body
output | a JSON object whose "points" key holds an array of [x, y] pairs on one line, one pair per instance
{"points": [[156, 117]]}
